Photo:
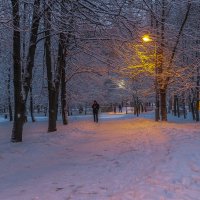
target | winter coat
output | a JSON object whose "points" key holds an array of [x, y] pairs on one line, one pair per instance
{"points": [[95, 107]]}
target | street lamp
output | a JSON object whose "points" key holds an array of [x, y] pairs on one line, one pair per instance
{"points": [[147, 38]]}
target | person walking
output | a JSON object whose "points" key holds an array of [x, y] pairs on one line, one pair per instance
{"points": [[120, 108], [95, 108]]}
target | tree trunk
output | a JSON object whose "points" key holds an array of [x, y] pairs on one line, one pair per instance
{"points": [[162, 67], [60, 67], [64, 98], [192, 110], [197, 110], [63, 82], [9, 97], [31, 104], [191, 106], [60, 73], [157, 106], [24, 39], [51, 87], [20, 101], [197, 96], [175, 105], [18, 98], [178, 107], [183, 106], [32, 48], [163, 104], [52, 111]]}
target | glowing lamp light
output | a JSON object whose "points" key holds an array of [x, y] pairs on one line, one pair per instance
{"points": [[121, 84], [146, 38]]}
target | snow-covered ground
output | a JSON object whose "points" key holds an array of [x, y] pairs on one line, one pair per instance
{"points": [[120, 158]]}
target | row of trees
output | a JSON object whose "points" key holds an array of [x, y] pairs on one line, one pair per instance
{"points": [[169, 58], [69, 49], [53, 42]]}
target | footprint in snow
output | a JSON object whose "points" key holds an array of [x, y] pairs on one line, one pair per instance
{"points": [[59, 188], [194, 167]]}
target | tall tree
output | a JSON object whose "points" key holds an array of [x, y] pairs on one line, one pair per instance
{"points": [[52, 94], [17, 80], [21, 90]]}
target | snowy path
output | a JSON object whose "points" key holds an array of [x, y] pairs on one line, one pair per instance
{"points": [[132, 159]]}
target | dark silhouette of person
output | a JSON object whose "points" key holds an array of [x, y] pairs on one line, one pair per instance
{"points": [[120, 108], [95, 109]]}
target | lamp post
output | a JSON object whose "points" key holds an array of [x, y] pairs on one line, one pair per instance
{"points": [[147, 38]]}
